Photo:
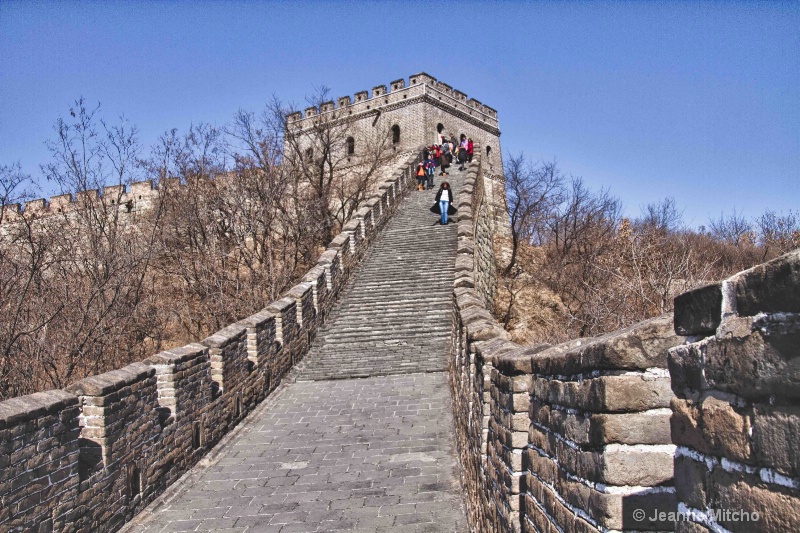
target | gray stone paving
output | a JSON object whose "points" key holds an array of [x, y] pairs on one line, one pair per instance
{"points": [[361, 455], [341, 454]]}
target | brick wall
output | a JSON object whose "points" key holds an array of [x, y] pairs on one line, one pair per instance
{"points": [[736, 418], [89, 457], [589, 436]]}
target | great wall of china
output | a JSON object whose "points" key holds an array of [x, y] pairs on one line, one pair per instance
{"points": [[684, 423]]}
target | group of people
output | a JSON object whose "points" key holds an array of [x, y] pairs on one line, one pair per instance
{"points": [[442, 156]]}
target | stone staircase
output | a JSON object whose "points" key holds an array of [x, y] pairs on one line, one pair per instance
{"points": [[395, 316]]}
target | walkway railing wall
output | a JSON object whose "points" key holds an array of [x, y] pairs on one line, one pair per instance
{"points": [[90, 457], [582, 436]]}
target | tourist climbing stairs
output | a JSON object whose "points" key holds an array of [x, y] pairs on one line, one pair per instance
{"points": [[396, 313]]}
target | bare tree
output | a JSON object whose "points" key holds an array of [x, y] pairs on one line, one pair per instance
{"points": [[317, 154], [778, 233], [733, 228], [662, 215], [13, 189], [532, 191], [75, 283]]}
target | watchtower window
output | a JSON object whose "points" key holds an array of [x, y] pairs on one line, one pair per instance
{"points": [[395, 134], [309, 154], [351, 146], [488, 150], [439, 128]]}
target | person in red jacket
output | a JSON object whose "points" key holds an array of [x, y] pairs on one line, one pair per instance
{"points": [[470, 147]]}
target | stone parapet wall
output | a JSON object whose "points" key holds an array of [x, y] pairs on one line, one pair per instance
{"points": [[736, 418], [90, 457], [138, 197], [589, 435]]}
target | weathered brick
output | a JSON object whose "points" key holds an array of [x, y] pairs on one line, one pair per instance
{"points": [[685, 426], [775, 437], [641, 346], [699, 311], [753, 364], [686, 369], [772, 287], [598, 429], [615, 464], [621, 393], [776, 506], [725, 429], [691, 481]]}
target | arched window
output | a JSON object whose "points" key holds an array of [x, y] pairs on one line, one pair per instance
{"points": [[351, 146], [488, 150], [439, 128], [395, 134]]}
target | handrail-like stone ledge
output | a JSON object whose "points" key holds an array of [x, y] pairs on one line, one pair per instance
{"points": [[90, 457]]}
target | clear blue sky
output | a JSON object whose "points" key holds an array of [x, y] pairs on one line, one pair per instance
{"points": [[695, 100]]}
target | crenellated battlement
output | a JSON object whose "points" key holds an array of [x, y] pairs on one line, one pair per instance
{"points": [[417, 111], [137, 196], [421, 86]]}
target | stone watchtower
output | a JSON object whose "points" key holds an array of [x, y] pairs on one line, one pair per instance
{"points": [[417, 114]]}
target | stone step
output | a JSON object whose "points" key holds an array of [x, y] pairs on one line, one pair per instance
{"points": [[395, 312]]}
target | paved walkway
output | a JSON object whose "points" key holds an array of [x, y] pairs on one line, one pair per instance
{"points": [[371, 454]]}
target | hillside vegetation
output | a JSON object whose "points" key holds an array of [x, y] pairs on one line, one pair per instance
{"points": [[575, 267], [239, 215]]}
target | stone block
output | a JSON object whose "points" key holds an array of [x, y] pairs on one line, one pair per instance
{"points": [[226, 336], [691, 481], [752, 363], [614, 510], [775, 438], [555, 515], [614, 464], [616, 393], [686, 368], [110, 382], [772, 287], [519, 361], [685, 426], [725, 429], [177, 355], [736, 491], [599, 429], [699, 311], [22, 409], [641, 346]]}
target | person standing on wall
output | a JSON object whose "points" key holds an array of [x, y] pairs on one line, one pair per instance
{"points": [[430, 169], [421, 176], [462, 159], [445, 159], [444, 203], [470, 148]]}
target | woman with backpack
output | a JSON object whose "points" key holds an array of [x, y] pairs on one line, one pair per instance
{"points": [[462, 158], [445, 159]]}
